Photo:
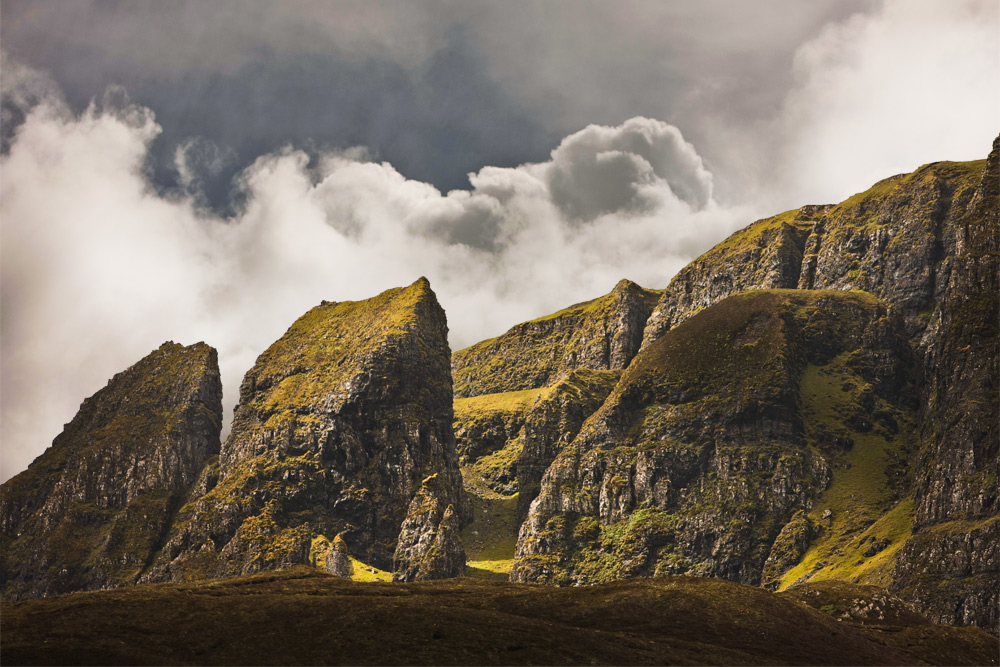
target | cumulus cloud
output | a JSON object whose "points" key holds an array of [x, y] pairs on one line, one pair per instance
{"points": [[883, 92], [98, 268]]}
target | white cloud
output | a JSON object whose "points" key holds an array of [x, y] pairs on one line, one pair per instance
{"points": [[882, 93], [98, 269]]}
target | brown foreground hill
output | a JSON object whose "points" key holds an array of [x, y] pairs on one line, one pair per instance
{"points": [[302, 616]]}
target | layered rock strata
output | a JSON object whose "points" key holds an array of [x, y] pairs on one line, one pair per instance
{"points": [[338, 423], [700, 456], [94, 508]]}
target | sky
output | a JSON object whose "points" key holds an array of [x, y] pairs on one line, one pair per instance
{"points": [[196, 171]]}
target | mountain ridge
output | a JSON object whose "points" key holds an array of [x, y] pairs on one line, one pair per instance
{"points": [[813, 399]]}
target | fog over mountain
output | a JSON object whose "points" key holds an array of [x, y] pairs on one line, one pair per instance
{"points": [[193, 172]]}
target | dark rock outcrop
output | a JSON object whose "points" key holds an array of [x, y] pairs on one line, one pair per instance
{"points": [[338, 423], [895, 241], [552, 423], [602, 334], [430, 544], [700, 455], [92, 510], [950, 565], [334, 557], [788, 549]]}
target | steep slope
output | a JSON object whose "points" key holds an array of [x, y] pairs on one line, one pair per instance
{"points": [[602, 334], [338, 424], [950, 564], [301, 616], [895, 240], [93, 508], [701, 455], [521, 397]]}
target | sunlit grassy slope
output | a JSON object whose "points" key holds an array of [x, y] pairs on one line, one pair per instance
{"points": [[863, 525]]}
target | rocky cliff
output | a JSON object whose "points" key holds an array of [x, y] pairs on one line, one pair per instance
{"points": [[602, 334], [896, 240], [705, 448], [338, 423], [950, 564], [92, 510]]}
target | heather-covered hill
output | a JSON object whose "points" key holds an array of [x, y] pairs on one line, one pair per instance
{"points": [[302, 616]]}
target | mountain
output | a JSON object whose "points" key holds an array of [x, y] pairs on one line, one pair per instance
{"points": [[303, 616], [602, 334], [339, 425], [888, 483], [93, 509], [809, 408], [719, 432]]}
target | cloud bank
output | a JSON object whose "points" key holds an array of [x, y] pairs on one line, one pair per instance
{"points": [[98, 268]]}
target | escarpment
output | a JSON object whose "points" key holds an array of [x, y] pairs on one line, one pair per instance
{"points": [[602, 334], [896, 240], [949, 566], [92, 510], [704, 450], [338, 423]]}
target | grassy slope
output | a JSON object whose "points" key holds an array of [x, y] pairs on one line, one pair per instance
{"points": [[862, 509], [300, 616], [491, 537]]}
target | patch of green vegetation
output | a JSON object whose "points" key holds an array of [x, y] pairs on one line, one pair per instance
{"points": [[467, 409], [491, 538], [863, 524], [368, 573], [497, 471]]}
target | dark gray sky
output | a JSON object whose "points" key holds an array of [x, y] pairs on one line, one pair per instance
{"points": [[210, 170], [439, 89]]}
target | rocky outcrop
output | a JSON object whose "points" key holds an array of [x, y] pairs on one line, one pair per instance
{"points": [[92, 510], [766, 255], [603, 334], [927, 244], [338, 423], [430, 545], [333, 557], [788, 549], [895, 241], [949, 572], [552, 423], [699, 456], [487, 436], [949, 566]]}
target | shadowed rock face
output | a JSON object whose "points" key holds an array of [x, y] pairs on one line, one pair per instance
{"points": [[603, 334], [699, 456], [91, 511], [338, 423], [950, 564], [429, 546]]}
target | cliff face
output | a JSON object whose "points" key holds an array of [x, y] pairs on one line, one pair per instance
{"points": [[951, 562], [338, 423], [703, 451], [603, 334], [91, 511], [897, 241]]}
